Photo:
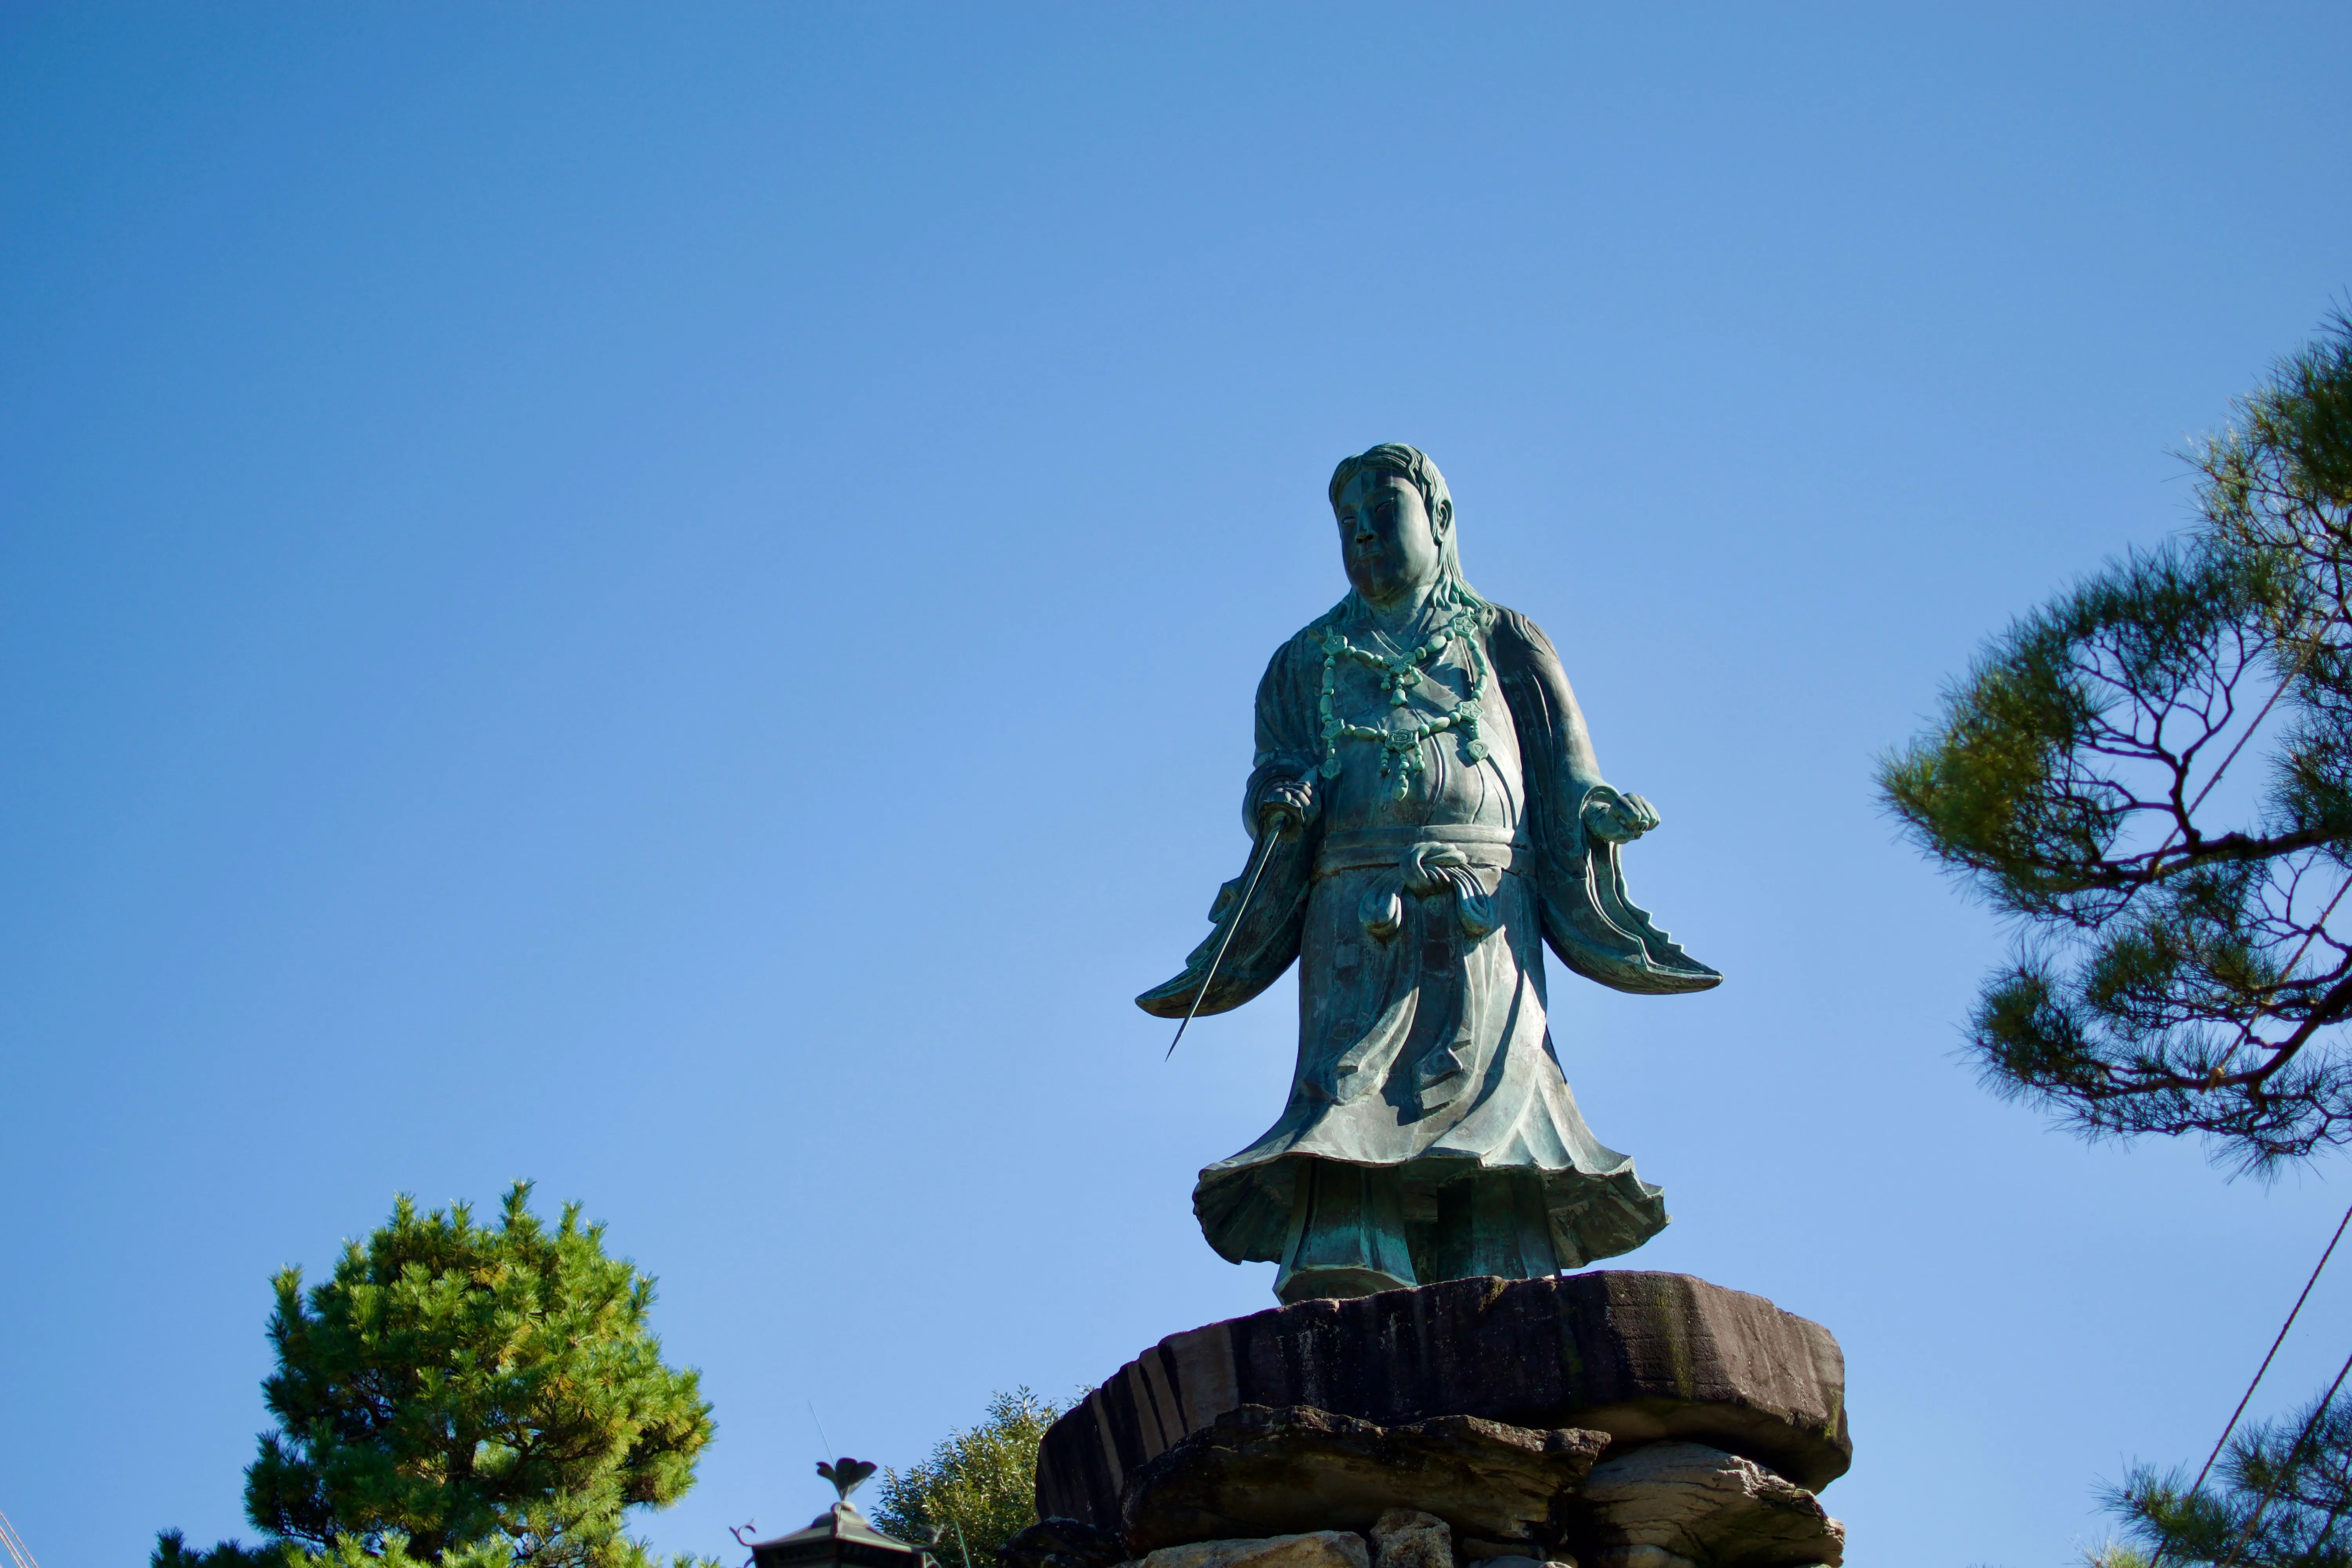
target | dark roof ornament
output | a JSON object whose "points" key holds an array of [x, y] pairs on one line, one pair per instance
{"points": [[840, 1537], [846, 1474]]}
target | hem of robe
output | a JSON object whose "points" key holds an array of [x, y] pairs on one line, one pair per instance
{"points": [[1244, 1203]]}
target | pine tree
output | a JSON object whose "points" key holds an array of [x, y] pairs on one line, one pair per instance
{"points": [[485, 1397], [2153, 773], [2286, 1489]]}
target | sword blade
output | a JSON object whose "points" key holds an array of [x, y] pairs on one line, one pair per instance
{"points": [[1263, 853]]}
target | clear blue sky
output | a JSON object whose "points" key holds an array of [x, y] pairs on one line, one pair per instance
{"points": [[665, 599]]}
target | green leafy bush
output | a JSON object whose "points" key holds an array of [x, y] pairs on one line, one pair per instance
{"points": [[978, 1487]]}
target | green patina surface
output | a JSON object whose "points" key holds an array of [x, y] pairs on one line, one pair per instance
{"points": [[1431, 815]]}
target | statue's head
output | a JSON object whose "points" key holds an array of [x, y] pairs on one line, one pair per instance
{"points": [[1396, 524]]}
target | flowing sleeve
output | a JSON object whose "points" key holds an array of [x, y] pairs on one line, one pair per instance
{"points": [[1589, 920], [1265, 935]]}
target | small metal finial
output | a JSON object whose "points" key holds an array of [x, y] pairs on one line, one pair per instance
{"points": [[846, 1474]]}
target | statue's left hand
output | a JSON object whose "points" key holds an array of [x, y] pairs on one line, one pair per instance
{"points": [[1615, 818]]}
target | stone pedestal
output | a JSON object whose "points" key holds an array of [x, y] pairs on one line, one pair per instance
{"points": [[1615, 1419]]}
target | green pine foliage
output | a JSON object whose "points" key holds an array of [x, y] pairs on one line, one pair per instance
{"points": [[172, 1551], [978, 1487], [2285, 1489], [2152, 774], [472, 1396]]}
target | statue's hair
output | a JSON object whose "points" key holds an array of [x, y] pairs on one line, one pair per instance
{"points": [[1413, 464]]}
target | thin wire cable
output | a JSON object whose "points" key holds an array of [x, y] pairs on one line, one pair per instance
{"points": [[2246, 1029], [2294, 672], [2262, 1502], [15, 1544], [2208, 1467], [2327, 1525], [820, 1429], [2156, 1559]]}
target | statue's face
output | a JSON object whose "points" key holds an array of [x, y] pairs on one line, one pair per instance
{"points": [[1387, 537]]}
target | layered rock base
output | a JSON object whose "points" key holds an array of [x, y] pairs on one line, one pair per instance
{"points": [[1612, 1420]]}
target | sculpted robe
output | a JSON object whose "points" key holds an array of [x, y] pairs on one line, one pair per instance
{"points": [[1429, 1132]]}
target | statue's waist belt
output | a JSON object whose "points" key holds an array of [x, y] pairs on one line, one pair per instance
{"points": [[1428, 843]]}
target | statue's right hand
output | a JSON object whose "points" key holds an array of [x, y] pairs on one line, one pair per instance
{"points": [[1617, 818], [1285, 806]]}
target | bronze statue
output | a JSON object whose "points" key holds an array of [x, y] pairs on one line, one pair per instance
{"points": [[1426, 812]]}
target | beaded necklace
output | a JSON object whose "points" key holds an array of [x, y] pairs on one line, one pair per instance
{"points": [[1401, 749]]}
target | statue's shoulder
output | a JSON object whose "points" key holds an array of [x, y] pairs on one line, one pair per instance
{"points": [[1307, 642], [1511, 635], [1311, 634]]}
